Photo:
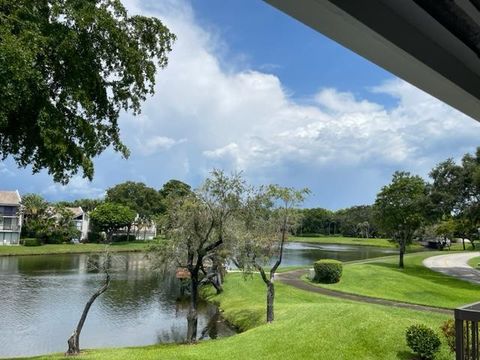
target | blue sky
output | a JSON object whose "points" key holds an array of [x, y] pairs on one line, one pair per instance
{"points": [[249, 88]]}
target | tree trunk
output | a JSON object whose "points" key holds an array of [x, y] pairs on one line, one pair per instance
{"points": [[402, 252], [128, 232], [74, 340], [192, 317], [463, 243], [270, 300]]}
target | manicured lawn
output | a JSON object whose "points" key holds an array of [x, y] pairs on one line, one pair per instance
{"points": [[346, 241], [72, 248], [307, 326], [415, 284], [473, 262]]}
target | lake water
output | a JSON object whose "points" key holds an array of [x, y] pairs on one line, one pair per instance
{"points": [[42, 297]]}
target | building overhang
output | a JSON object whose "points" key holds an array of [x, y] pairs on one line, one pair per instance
{"points": [[432, 44]]}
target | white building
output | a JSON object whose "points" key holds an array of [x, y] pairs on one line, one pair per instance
{"points": [[81, 221], [10, 218]]}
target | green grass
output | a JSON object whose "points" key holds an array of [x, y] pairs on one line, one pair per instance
{"points": [[72, 248], [415, 284], [474, 262], [346, 241], [307, 326]]}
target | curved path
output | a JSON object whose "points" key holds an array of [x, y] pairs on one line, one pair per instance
{"points": [[293, 278], [455, 265]]}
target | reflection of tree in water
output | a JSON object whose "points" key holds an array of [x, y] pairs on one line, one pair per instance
{"points": [[35, 265]]}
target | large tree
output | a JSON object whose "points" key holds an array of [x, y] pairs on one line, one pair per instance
{"points": [[67, 70], [174, 188], [401, 208], [200, 226], [145, 200], [456, 193], [110, 217]]}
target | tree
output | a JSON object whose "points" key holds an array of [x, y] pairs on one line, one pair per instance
{"points": [[401, 208], [87, 205], [175, 188], [268, 218], [110, 217], [456, 191], [68, 68], [200, 225], [144, 200], [100, 263]]}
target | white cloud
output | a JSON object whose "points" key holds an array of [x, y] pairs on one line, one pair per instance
{"points": [[158, 143], [78, 187], [245, 119]]}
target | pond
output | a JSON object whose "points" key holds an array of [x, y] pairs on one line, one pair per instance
{"points": [[42, 297]]}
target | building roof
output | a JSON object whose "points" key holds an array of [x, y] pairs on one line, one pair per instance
{"points": [[77, 211], [9, 198]]}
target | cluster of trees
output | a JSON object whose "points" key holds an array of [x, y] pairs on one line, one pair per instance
{"points": [[355, 221], [225, 219], [126, 204], [447, 207], [51, 224]]}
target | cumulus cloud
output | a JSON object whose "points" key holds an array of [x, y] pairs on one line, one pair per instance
{"points": [[245, 119], [78, 187], [211, 112]]}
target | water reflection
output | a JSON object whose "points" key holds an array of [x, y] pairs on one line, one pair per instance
{"points": [[41, 299]]}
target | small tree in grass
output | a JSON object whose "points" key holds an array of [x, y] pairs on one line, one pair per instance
{"points": [[198, 226], [100, 263], [268, 217], [401, 208], [110, 217]]}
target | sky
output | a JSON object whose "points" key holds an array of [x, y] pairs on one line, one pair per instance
{"points": [[250, 89]]}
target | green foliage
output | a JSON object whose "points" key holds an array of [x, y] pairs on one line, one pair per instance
{"points": [[87, 205], [175, 188], [144, 200], [67, 69], [328, 271], [94, 237], [423, 341], [31, 242], [448, 331], [110, 217], [123, 238]]}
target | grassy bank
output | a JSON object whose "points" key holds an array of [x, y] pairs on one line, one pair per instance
{"points": [[474, 262], [415, 284], [307, 326], [346, 241], [72, 248]]}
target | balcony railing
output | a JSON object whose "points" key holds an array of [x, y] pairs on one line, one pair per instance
{"points": [[467, 344]]}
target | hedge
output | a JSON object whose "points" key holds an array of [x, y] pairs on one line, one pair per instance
{"points": [[328, 271]]}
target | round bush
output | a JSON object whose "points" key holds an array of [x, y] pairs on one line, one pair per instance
{"points": [[423, 341], [328, 271]]}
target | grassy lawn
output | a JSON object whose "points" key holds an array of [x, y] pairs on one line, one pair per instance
{"points": [[307, 326], [474, 262], [72, 248], [346, 241], [415, 284]]}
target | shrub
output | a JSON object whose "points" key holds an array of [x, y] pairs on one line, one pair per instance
{"points": [[328, 271], [94, 237], [31, 242], [423, 341], [123, 238], [448, 330]]}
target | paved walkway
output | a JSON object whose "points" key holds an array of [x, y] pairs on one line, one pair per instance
{"points": [[293, 278], [455, 265]]}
